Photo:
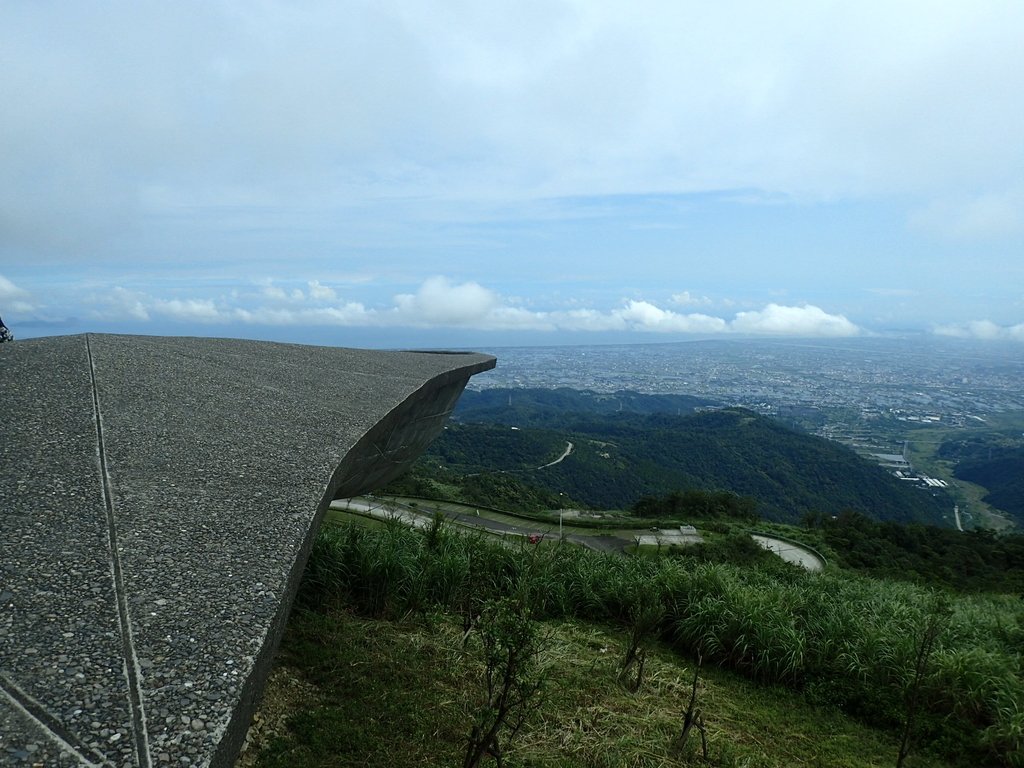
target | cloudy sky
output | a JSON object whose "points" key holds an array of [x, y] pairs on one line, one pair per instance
{"points": [[468, 172]]}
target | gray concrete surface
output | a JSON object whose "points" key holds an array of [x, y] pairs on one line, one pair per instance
{"points": [[791, 552], [158, 497]]}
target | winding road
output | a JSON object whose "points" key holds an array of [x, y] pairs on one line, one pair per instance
{"points": [[568, 450], [614, 544], [392, 510], [790, 552]]}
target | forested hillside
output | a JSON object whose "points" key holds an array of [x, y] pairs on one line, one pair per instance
{"points": [[995, 462], [968, 561], [618, 457]]}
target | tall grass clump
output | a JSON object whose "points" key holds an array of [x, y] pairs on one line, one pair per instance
{"points": [[841, 639]]}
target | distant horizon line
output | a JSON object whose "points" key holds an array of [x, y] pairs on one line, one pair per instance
{"points": [[392, 339]]}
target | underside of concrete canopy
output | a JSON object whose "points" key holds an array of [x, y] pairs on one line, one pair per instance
{"points": [[158, 500]]}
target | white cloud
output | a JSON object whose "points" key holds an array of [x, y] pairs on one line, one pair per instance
{"points": [[688, 299], [275, 293], [807, 320], [644, 316], [14, 298], [281, 295], [316, 293], [9, 290], [320, 292], [119, 304], [402, 139], [351, 314], [441, 302], [113, 113], [982, 329], [200, 310], [586, 320]]}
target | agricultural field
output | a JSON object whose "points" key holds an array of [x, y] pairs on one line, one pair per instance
{"points": [[931, 449]]}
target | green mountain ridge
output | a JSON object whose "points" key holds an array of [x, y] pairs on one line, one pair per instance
{"points": [[995, 462], [620, 456]]}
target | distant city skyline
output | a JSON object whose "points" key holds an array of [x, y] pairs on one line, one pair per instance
{"points": [[474, 174]]}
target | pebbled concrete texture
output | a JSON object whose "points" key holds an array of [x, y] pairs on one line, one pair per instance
{"points": [[158, 498]]}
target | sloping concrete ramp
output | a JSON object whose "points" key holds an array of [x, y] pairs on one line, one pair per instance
{"points": [[158, 498]]}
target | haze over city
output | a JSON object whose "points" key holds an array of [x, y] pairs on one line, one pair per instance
{"points": [[467, 174]]}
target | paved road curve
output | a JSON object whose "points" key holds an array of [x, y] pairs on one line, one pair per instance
{"points": [[387, 510], [568, 450], [791, 552], [390, 509]]}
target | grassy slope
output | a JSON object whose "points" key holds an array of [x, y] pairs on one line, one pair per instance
{"points": [[351, 691], [356, 691]]}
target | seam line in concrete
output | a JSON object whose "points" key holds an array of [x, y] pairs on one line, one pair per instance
{"points": [[35, 711], [132, 670]]}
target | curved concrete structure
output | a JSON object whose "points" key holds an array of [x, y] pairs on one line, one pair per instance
{"points": [[791, 551], [158, 498]]}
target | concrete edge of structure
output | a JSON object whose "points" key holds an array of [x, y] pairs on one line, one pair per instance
{"points": [[347, 481]]}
